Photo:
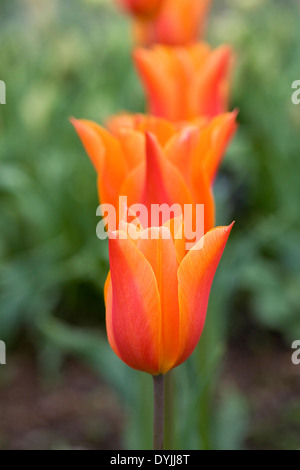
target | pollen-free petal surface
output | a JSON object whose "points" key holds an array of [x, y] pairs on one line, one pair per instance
{"points": [[133, 146], [91, 141], [157, 72], [219, 134], [203, 194], [181, 148], [106, 154], [212, 86], [163, 182]]}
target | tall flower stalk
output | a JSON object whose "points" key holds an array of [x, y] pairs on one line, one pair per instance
{"points": [[158, 411]]}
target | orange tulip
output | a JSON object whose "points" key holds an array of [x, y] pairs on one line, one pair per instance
{"points": [[152, 161], [141, 8], [183, 83], [209, 142], [157, 296], [177, 23]]}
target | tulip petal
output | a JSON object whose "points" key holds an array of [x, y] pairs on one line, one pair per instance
{"points": [[212, 88], [180, 243], [221, 132], [134, 184], [195, 277], [108, 315], [177, 23], [199, 53], [163, 182], [181, 148], [161, 128], [181, 21], [176, 227], [154, 68], [203, 194], [173, 225], [141, 8], [133, 145], [121, 121], [93, 145], [183, 83], [157, 246], [106, 154], [132, 229], [106, 286], [135, 322], [185, 153]]}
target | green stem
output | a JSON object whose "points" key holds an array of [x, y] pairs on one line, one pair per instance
{"points": [[158, 412]]}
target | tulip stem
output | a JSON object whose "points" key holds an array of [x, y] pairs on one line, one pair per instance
{"points": [[158, 412]]}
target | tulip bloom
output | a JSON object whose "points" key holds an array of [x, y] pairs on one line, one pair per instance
{"points": [[157, 295], [152, 161], [177, 23], [184, 83], [141, 8]]}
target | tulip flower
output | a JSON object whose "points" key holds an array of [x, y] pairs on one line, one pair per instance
{"points": [[177, 23], [182, 83], [157, 294], [211, 137], [141, 8], [152, 161]]}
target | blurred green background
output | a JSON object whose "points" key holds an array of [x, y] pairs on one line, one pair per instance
{"points": [[62, 386]]}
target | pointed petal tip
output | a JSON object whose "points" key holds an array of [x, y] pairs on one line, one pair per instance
{"points": [[232, 115], [231, 225], [74, 121], [232, 118], [137, 51], [225, 56], [226, 228], [150, 136]]}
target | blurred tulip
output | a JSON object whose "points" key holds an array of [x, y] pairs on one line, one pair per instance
{"points": [[152, 161], [156, 298], [204, 140], [141, 8], [177, 23], [183, 83]]}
